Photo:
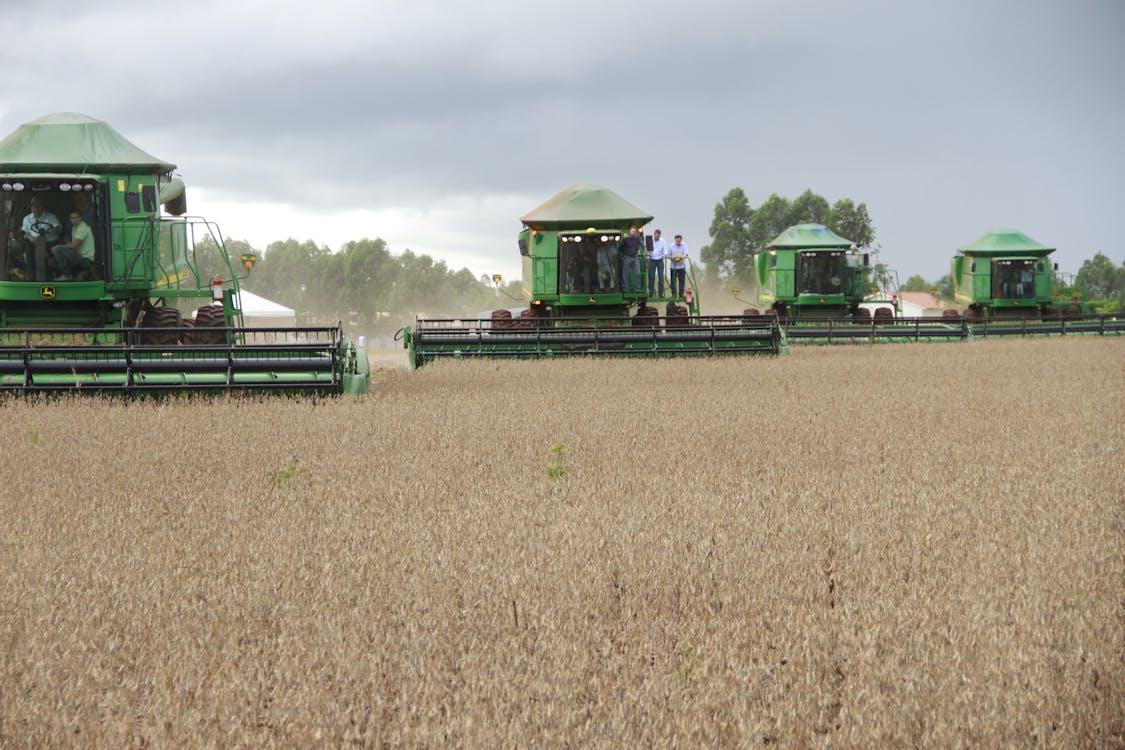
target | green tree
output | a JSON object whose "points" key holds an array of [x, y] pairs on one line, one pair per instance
{"points": [[916, 284], [808, 208], [730, 246], [770, 219], [370, 272], [285, 272], [1099, 279], [852, 221]]}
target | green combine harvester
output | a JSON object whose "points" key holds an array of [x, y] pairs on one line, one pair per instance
{"points": [[577, 303], [106, 285], [1005, 273], [817, 283], [810, 273], [1006, 281]]}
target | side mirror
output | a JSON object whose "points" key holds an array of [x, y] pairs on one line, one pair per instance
{"points": [[523, 246], [866, 259], [1056, 266], [132, 202], [773, 260], [973, 267]]}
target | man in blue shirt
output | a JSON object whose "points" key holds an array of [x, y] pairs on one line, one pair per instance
{"points": [[656, 263]]}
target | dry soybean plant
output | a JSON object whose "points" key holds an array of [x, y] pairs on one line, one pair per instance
{"points": [[916, 545]]}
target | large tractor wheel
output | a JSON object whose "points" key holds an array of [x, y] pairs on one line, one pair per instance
{"points": [[501, 319], [161, 317], [677, 317], [208, 327], [647, 316]]}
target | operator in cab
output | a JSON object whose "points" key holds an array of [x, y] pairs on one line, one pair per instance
{"points": [[41, 223], [75, 258]]}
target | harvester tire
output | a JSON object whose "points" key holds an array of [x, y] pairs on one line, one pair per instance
{"points": [[646, 317], [501, 319], [884, 315], [529, 318], [861, 315], [206, 317], [750, 311], [951, 313], [677, 317], [161, 317]]}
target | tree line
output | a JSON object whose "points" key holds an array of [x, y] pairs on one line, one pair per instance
{"points": [[374, 291]]}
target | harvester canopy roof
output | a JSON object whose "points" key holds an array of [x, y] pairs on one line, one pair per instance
{"points": [[1006, 242], [74, 143], [584, 205], [809, 236]]}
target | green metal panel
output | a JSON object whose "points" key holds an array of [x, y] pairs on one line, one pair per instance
{"points": [[982, 282], [1006, 242], [585, 204], [809, 236], [69, 141]]}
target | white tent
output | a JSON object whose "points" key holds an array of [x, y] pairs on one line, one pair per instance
{"points": [[259, 312]]}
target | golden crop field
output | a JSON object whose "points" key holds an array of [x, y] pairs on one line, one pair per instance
{"points": [[898, 545]]}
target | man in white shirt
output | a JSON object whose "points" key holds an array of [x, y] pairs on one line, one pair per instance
{"points": [[41, 223], [678, 254], [76, 256], [656, 262]]}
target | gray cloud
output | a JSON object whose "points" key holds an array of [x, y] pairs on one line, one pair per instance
{"points": [[946, 119]]}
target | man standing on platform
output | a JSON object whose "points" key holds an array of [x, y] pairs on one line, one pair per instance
{"points": [[630, 261], [678, 253], [656, 263]]}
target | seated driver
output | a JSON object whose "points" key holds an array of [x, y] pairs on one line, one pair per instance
{"points": [[77, 256], [41, 223]]}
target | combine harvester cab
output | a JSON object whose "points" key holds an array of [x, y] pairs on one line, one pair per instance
{"points": [[148, 300], [577, 303], [1006, 281]]}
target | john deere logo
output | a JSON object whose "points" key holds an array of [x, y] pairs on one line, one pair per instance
{"points": [[47, 292], [592, 300]]}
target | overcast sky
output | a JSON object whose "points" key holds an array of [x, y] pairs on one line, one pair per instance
{"points": [[435, 125]]}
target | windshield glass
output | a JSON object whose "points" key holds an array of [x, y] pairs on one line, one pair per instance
{"points": [[589, 262], [50, 233], [820, 272], [1013, 279]]}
